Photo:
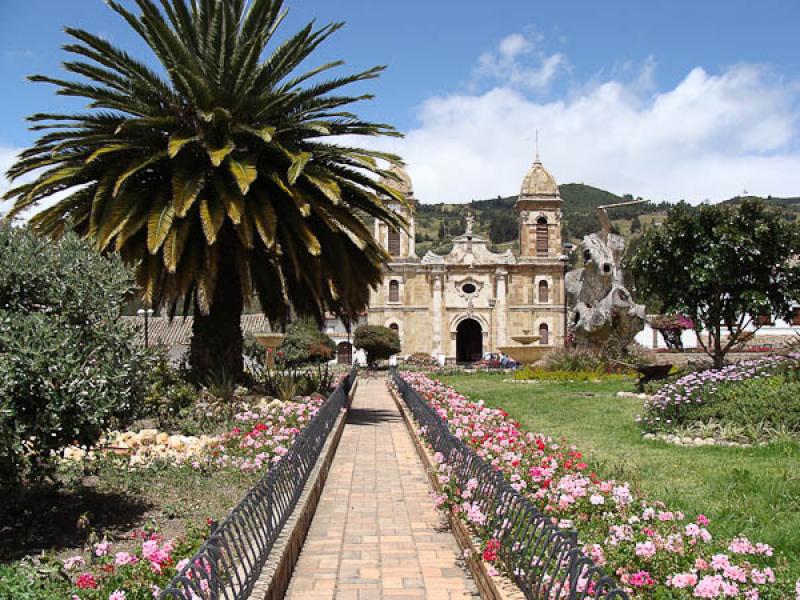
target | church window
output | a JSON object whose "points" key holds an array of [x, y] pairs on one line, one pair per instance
{"points": [[544, 292], [544, 334], [468, 288], [395, 327], [542, 242], [394, 242], [394, 291]]}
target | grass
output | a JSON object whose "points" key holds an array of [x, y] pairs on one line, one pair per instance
{"points": [[112, 501], [752, 491]]}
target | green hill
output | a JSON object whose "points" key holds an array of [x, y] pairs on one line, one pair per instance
{"points": [[496, 219]]}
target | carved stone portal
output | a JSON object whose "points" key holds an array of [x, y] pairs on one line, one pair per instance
{"points": [[601, 311]]}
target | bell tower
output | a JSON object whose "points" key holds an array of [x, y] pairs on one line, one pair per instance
{"points": [[539, 214], [399, 244]]}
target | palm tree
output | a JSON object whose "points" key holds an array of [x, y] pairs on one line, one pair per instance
{"points": [[213, 174]]}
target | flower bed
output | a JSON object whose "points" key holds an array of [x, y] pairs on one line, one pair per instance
{"points": [[653, 551], [140, 565], [261, 436], [675, 403], [141, 571]]}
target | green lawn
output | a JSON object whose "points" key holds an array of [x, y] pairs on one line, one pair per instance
{"points": [[752, 491]]}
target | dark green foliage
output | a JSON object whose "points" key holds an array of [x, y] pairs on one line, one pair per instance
{"points": [[169, 398], [68, 366], [285, 382], [305, 343], [503, 228], [378, 342], [721, 266]]}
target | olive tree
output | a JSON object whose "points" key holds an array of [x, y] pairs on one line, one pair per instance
{"points": [[68, 365], [722, 266]]}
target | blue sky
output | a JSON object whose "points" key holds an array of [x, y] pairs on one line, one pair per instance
{"points": [[669, 100]]}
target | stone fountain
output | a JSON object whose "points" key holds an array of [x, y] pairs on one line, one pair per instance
{"points": [[270, 342], [525, 353]]}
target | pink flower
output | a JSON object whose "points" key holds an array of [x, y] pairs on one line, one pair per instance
{"points": [[682, 580], [710, 586], [645, 550], [702, 520], [102, 548], [125, 558], [117, 595], [641, 579]]}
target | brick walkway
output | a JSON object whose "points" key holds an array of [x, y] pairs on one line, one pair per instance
{"points": [[375, 534]]}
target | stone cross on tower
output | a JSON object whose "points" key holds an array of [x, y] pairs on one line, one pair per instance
{"points": [[470, 223]]}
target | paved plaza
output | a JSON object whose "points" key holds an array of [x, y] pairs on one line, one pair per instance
{"points": [[375, 534]]}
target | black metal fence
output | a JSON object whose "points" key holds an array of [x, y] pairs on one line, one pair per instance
{"points": [[545, 561], [229, 563]]}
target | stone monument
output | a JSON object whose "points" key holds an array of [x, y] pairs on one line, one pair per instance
{"points": [[601, 311]]}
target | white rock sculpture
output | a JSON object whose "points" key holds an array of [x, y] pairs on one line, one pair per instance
{"points": [[600, 308]]}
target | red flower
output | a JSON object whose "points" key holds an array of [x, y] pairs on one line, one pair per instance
{"points": [[490, 551], [86, 581]]}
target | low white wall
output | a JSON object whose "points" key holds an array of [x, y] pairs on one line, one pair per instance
{"points": [[650, 338]]}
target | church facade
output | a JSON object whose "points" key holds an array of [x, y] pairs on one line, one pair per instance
{"points": [[473, 300]]}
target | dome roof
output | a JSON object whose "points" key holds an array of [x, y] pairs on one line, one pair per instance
{"points": [[538, 182], [402, 183]]}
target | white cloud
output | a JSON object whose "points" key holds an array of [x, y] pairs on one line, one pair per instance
{"points": [[711, 136], [7, 157], [509, 65]]}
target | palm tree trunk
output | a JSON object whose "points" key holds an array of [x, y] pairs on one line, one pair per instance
{"points": [[217, 342]]}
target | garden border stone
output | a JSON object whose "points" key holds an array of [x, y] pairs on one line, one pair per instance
{"points": [[490, 588], [277, 573]]}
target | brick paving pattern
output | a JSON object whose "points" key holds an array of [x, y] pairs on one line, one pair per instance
{"points": [[375, 534]]}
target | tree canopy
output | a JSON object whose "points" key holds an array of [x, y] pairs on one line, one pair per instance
{"points": [[722, 266], [377, 341], [69, 368], [213, 173]]}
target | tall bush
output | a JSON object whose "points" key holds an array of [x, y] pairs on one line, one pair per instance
{"points": [[378, 342], [305, 343], [68, 366]]}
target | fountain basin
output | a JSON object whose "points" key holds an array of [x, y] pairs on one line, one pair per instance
{"points": [[270, 341], [525, 355]]}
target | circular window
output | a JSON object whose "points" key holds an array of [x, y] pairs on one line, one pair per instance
{"points": [[468, 288]]}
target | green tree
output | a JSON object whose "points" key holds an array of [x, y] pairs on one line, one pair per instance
{"points": [[636, 224], [213, 173], [721, 266], [305, 343], [442, 230], [68, 365], [378, 342]]}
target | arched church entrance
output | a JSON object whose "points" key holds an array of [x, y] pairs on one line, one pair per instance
{"points": [[344, 353], [469, 341]]}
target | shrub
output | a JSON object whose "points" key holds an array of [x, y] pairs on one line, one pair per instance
{"points": [[305, 343], [421, 360], [169, 398], [378, 342], [770, 401], [581, 360], [763, 390], [68, 366]]}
